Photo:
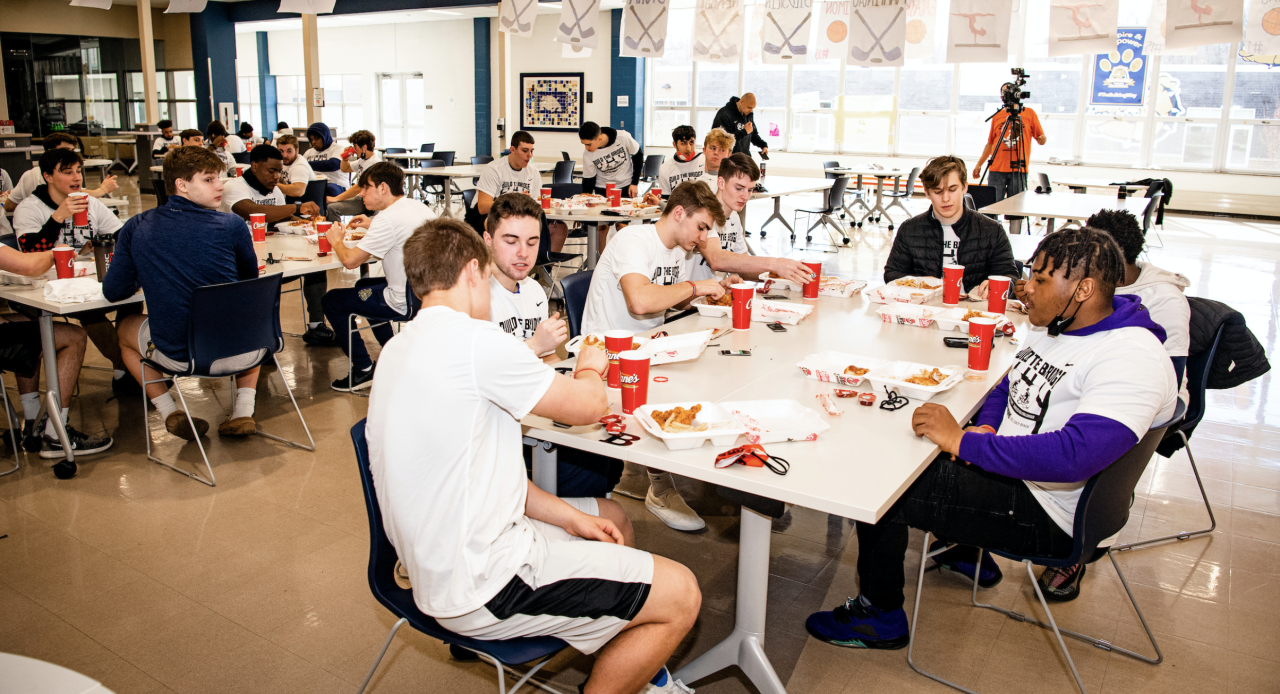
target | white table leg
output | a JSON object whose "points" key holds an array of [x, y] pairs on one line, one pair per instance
{"points": [[745, 646], [54, 404], [448, 198]]}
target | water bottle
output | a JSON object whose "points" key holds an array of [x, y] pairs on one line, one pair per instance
{"points": [[104, 246]]}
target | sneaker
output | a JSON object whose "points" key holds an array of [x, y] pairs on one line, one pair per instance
{"points": [[959, 560], [320, 336], [1061, 584], [81, 444], [178, 425], [671, 509], [634, 482], [670, 685], [125, 386], [240, 426], [358, 380], [857, 624], [32, 435]]}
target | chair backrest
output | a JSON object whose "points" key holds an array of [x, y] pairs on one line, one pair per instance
{"points": [[481, 160], [1151, 209], [428, 147], [157, 182], [396, 150], [315, 192], [563, 172], [565, 155], [575, 299], [982, 195], [1044, 180], [240, 157], [828, 165], [446, 157], [911, 182], [1197, 375], [472, 214], [426, 181], [652, 164], [382, 555], [232, 319], [1155, 186], [835, 196]]}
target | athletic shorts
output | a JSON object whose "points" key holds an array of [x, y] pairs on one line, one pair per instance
{"points": [[579, 591], [221, 367], [20, 347]]}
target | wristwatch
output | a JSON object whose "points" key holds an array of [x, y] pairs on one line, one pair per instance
{"points": [[297, 208]]}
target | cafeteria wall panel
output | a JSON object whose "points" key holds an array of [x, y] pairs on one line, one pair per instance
{"points": [[213, 49], [483, 86]]}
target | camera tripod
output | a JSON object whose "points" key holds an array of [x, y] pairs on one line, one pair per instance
{"points": [[1012, 130]]}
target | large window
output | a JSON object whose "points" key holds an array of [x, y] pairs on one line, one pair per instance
{"points": [[1212, 109], [249, 108], [176, 90], [343, 109], [291, 102]]}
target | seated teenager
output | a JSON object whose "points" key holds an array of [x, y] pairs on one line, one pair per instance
{"points": [[169, 252], [282, 128], [21, 355], [376, 298], [33, 178], [296, 173], [513, 173], [645, 271], [489, 555], [325, 158], [1078, 396], [948, 233], [258, 192], [348, 203], [716, 147], [218, 141], [685, 165], [167, 140], [47, 219], [191, 138]]}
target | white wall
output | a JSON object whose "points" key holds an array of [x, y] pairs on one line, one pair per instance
{"points": [[540, 53]]}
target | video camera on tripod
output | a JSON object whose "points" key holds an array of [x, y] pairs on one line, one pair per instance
{"points": [[1011, 94]]}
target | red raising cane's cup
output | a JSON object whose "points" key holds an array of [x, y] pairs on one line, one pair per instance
{"points": [[656, 191], [952, 278], [609, 188], [615, 343], [633, 368], [811, 289], [258, 223], [742, 295], [322, 238], [997, 293], [545, 198], [615, 198], [981, 339], [64, 261], [81, 218]]}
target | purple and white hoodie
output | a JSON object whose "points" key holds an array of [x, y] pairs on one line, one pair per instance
{"points": [[1073, 404]]}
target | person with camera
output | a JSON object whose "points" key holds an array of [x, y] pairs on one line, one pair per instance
{"points": [[1011, 145]]}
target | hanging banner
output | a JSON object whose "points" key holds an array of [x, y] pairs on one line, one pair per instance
{"points": [[877, 33], [1156, 32], [1120, 75], [978, 31], [191, 6], [922, 18], [515, 17], [1082, 27], [644, 29], [1192, 23], [307, 6], [578, 23], [1262, 30], [788, 24], [717, 31], [833, 29], [95, 4], [755, 30]]}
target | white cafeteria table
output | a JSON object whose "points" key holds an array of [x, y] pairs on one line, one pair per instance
{"points": [[592, 222], [1072, 207], [781, 186], [857, 469], [459, 171]]}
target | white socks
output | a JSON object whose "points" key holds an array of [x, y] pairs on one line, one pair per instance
{"points": [[118, 374], [244, 402], [313, 325], [48, 426], [660, 482], [30, 405], [165, 405]]}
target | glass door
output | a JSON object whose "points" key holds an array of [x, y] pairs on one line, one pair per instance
{"points": [[401, 121]]}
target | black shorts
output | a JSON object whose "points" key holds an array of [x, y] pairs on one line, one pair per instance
{"points": [[20, 347]]}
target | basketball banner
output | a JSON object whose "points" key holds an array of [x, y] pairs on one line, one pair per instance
{"points": [[1082, 27], [922, 18], [1262, 32], [877, 33], [833, 29], [1192, 23]]}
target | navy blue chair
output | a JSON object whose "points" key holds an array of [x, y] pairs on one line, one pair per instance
{"points": [[548, 259], [480, 161], [1197, 382], [240, 157], [472, 215], [382, 563], [575, 288], [228, 320], [563, 173], [396, 150], [1101, 512], [427, 148], [315, 192], [432, 185]]}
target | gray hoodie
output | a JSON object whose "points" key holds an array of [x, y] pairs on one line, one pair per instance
{"points": [[1161, 292]]}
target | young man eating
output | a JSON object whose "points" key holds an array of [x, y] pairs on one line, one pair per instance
{"points": [[348, 203], [167, 140], [258, 192], [47, 219], [378, 299], [33, 178], [296, 173], [325, 157], [1077, 397], [169, 252], [948, 233], [488, 553], [647, 269]]}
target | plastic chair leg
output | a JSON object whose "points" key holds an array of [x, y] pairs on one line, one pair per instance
{"points": [[1186, 534], [378, 661], [15, 423]]}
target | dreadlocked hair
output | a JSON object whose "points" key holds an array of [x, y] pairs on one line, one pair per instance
{"points": [[1091, 252], [1124, 228]]}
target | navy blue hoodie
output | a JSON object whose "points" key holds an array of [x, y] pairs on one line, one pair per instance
{"points": [[326, 139]]}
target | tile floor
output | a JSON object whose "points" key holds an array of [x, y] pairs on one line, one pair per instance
{"points": [[151, 582]]}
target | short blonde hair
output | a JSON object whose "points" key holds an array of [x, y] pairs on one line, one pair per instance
{"points": [[720, 138]]}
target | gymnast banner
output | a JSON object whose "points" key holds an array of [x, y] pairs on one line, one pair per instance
{"points": [[978, 31], [1082, 27], [1193, 23]]}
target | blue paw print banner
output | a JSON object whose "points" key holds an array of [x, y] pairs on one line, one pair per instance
{"points": [[1120, 76]]}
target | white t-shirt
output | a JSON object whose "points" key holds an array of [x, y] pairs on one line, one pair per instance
{"points": [[712, 181], [281, 133], [358, 165], [950, 244], [611, 163], [635, 250], [1123, 374], [445, 452], [27, 183], [333, 152], [673, 172], [161, 143], [499, 178], [238, 189], [518, 313], [235, 145], [387, 233], [1161, 292], [32, 213], [299, 170], [731, 239]]}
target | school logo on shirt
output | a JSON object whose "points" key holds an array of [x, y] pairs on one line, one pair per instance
{"points": [[680, 177], [526, 326], [611, 162], [668, 275], [513, 187], [1031, 383]]}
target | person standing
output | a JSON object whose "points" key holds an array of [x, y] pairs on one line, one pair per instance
{"points": [[736, 117], [1009, 177]]}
